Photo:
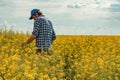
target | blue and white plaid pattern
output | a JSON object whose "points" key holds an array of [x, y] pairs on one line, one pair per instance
{"points": [[44, 32]]}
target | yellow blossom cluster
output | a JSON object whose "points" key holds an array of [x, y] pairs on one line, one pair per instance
{"points": [[72, 58]]}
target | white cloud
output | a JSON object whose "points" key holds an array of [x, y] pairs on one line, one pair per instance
{"points": [[93, 4], [64, 13], [22, 8]]}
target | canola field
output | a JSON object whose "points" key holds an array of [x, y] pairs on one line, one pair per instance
{"points": [[73, 58]]}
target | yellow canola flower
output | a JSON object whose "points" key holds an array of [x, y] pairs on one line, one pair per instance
{"points": [[29, 76], [93, 75], [12, 49], [4, 48], [15, 57], [54, 78], [73, 57], [100, 61], [118, 69]]}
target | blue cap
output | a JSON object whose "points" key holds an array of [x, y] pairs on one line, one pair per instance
{"points": [[33, 12]]}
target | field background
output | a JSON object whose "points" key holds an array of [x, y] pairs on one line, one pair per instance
{"points": [[73, 58]]}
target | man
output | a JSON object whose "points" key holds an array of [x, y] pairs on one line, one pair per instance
{"points": [[43, 32]]}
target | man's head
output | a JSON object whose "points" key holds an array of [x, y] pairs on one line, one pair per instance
{"points": [[35, 13]]}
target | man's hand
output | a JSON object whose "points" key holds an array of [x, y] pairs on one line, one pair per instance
{"points": [[24, 44], [30, 39], [52, 41]]}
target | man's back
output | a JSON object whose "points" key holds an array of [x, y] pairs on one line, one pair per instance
{"points": [[44, 32]]}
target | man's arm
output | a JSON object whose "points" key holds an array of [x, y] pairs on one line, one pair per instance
{"points": [[34, 33], [30, 39]]}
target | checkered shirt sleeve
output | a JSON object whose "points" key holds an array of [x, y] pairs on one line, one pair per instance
{"points": [[36, 27]]}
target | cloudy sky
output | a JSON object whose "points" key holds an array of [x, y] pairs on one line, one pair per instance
{"points": [[71, 17]]}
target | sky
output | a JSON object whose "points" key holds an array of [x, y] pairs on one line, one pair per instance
{"points": [[69, 17]]}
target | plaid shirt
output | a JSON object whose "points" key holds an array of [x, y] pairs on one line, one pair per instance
{"points": [[44, 32]]}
